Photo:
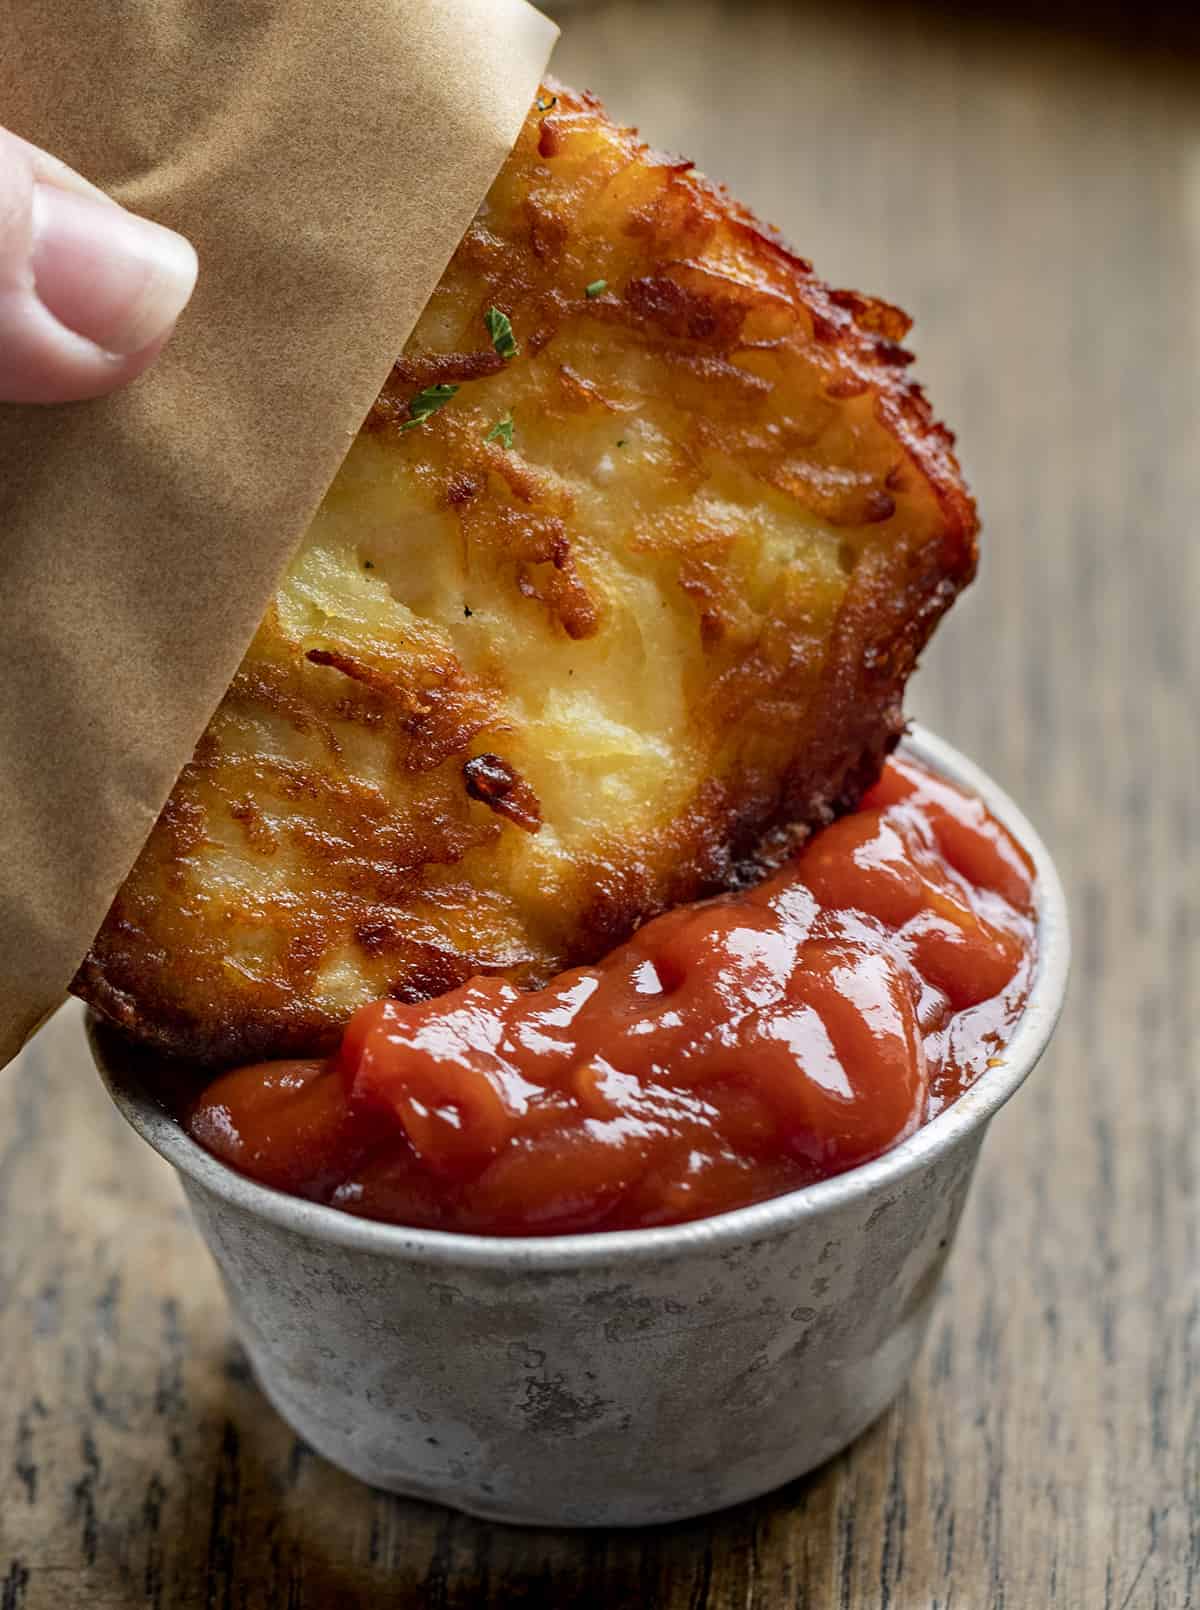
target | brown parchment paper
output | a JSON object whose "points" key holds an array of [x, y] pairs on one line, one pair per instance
{"points": [[325, 157]]}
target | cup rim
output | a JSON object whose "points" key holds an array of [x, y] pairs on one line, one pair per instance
{"points": [[552, 1253]]}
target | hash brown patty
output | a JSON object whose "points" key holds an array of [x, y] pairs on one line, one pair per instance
{"points": [[613, 599]]}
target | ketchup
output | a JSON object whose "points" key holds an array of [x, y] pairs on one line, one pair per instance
{"points": [[732, 1050]]}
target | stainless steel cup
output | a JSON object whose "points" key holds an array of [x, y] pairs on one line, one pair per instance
{"points": [[621, 1378]]}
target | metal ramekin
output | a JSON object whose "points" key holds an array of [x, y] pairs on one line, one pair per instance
{"points": [[621, 1378]]}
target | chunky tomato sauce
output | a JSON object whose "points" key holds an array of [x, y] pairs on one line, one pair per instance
{"points": [[732, 1050]]}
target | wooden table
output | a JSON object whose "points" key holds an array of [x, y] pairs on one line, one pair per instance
{"points": [[1034, 198]]}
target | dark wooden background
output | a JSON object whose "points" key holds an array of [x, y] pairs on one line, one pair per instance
{"points": [[1031, 192]]}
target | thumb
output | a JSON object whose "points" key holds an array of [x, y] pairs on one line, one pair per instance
{"points": [[89, 293]]}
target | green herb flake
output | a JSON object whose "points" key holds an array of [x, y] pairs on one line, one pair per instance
{"points": [[501, 331], [623, 442], [501, 431], [427, 403], [596, 288], [368, 565], [546, 102]]}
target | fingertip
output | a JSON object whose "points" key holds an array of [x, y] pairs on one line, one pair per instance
{"points": [[89, 293], [43, 362], [119, 279]]}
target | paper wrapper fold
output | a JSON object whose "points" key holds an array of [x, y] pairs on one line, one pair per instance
{"points": [[325, 158]]}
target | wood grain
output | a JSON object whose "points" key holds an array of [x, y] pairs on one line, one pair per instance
{"points": [[1033, 196]]}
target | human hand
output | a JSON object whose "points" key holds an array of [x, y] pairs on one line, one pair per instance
{"points": [[89, 293]]}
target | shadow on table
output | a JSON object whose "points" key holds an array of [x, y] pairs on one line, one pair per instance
{"points": [[336, 1545], [429, 1557]]}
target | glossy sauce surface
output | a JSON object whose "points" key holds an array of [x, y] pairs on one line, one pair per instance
{"points": [[730, 1051]]}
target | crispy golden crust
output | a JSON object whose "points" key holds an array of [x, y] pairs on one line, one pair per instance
{"points": [[507, 703]]}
